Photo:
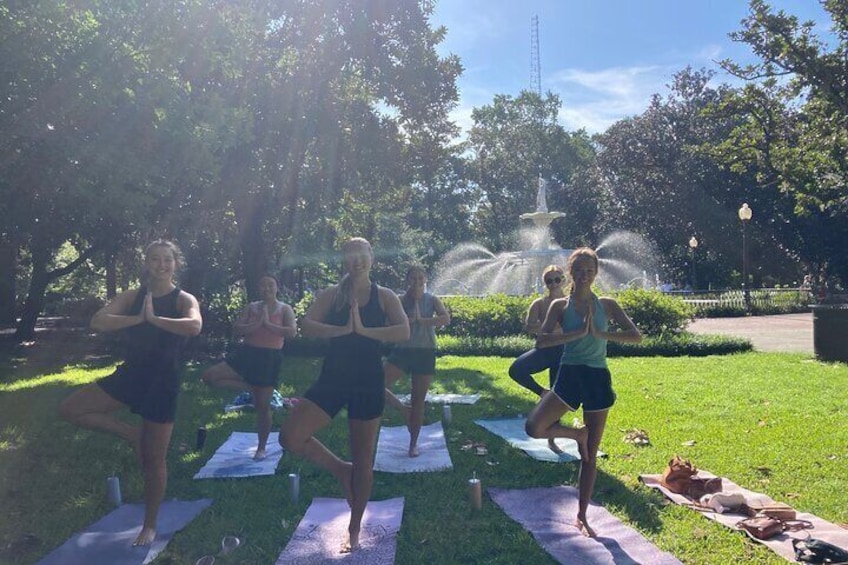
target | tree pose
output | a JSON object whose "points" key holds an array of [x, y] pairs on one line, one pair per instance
{"points": [[255, 366], [157, 318], [583, 377], [416, 356], [356, 315]]}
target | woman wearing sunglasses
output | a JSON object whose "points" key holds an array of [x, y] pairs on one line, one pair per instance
{"points": [[537, 360]]}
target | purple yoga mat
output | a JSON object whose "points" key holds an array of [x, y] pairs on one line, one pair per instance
{"points": [[549, 513], [323, 529], [109, 540]]}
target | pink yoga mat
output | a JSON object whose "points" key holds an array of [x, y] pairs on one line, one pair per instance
{"points": [[323, 529], [548, 514]]}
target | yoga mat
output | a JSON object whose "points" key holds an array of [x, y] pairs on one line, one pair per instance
{"points": [[549, 513], [512, 430], [393, 450], [782, 544], [235, 458], [323, 529], [109, 540], [434, 398]]}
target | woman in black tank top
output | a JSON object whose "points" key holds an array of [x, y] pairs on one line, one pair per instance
{"points": [[356, 315], [156, 320]]}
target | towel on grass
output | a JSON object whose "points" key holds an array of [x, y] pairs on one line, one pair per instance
{"points": [[109, 540], [323, 530], [443, 398], [512, 430], [393, 450], [235, 457], [549, 513], [782, 544]]}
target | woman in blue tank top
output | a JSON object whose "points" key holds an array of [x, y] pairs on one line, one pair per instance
{"points": [[356, 315], [156, 320], [583, 377]]}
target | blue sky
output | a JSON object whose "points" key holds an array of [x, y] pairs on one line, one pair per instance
{"points": [[604, 58]]}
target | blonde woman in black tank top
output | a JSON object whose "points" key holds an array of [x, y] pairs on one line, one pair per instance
{"points": [[355, 315]]}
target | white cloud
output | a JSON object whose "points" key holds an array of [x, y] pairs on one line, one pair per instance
{"points": [[594, 100]]}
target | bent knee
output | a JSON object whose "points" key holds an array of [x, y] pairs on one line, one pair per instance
{"points": [[291, 440], [533, 429]]}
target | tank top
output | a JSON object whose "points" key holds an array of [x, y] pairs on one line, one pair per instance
{"points": [[420, 336], [353, 353], [263, 337], [147, 345], [588, 350]]}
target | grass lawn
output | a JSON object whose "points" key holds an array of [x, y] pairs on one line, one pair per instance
{"points": [[770, 422]]}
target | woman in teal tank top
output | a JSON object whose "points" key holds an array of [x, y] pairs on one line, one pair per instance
{"points": [[583, 377]]}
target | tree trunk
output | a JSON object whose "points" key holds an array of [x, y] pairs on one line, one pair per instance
{"points": [[8, 273], [41, 278]]}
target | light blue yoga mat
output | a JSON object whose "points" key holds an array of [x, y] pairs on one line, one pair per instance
{"points": [[235, 457], [512, 430], [110, 539]]}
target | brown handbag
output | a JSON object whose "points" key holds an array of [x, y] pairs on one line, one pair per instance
{"points": [[761, 527], [677, 477]]}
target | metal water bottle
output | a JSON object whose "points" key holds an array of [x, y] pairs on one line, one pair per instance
{"points": [[475, 492], [201, 438], [446, 415], [113, 488], [294, 486]]}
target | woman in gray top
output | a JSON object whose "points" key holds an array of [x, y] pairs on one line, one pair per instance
{"points": [[417, 356]]}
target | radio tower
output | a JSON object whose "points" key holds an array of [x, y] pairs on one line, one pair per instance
{"points": [[535, 65]]}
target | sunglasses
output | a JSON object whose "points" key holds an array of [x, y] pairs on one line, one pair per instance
{"points": [[553, 280]]}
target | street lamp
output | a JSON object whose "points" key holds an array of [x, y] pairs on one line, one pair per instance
{"points": [[693, 245], [745, 214]]}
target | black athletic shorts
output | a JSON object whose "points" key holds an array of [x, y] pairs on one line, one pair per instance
{"points": [[589, 386]]}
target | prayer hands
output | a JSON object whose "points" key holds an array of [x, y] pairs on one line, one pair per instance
{"points": [[147, 312], [354, 322]]}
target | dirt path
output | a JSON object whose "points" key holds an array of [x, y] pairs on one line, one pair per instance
{"points": [[782, 333]]}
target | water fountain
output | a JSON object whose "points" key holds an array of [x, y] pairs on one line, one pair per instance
{"points": [[471, 269]]}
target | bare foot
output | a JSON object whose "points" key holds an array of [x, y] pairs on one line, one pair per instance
{"points": [[145, 537], [553, 446], [583, 525], [352, 544], [345, 477], [582, 440], [413, 451], [259, 455]]}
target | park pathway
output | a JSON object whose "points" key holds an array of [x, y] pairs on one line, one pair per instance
{"points": [[785, 333]]}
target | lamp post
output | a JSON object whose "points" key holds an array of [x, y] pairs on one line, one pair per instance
{"points": [[745, 214], [693, 245]]}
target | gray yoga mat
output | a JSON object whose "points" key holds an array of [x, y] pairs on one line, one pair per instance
{"points": [[109, 540]]}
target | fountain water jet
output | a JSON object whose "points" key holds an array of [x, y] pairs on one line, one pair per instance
{"points": [[470, 268]]}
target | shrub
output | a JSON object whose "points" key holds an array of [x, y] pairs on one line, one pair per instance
{"points": [[487, 316], [655, 313]]}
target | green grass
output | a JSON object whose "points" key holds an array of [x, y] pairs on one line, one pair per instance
{"points": [[769, 422]]}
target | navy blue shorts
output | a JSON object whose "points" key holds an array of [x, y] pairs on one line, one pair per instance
{"points": [[361, 404], [589, 386], [414, 360], [258, 366]]}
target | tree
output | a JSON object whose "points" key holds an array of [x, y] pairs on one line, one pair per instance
{"points": [[795, 137], [512, 142]]}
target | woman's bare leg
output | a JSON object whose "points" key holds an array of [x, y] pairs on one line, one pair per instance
{"points": [[543, 422], [296, 435], [363, 441], [420, 386], [392, 374], [223, 376], [91, 407], [595, 424], [155, 438], [262, 402]]}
